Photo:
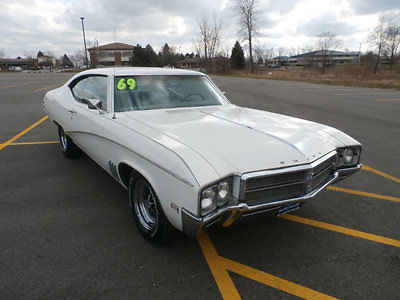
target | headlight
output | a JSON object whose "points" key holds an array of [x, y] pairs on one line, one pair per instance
{"points": [[348, 156], [223, 193], [216, 195], [207, 201]]}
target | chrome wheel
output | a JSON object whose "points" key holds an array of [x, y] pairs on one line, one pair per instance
{"points": [[68, 147], [63, 140], [145, 205]]}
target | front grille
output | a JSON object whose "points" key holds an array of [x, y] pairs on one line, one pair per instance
{"points": [[283, 184]]}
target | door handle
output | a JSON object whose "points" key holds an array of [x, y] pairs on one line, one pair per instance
{"points": [[72, 111]]}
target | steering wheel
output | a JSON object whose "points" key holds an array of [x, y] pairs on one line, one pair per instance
{"points": [[193, 94]]}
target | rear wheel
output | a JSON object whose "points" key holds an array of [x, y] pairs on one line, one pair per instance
{"points": [[68, 147], [147, 212]]}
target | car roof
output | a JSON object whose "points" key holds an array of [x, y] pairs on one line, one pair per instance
{"points": [[129, 71]]}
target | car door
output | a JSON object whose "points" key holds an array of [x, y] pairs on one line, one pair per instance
{"points": [[87, 127]]}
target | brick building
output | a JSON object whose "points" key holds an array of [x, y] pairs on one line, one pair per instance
{"points": [[114, 54]]}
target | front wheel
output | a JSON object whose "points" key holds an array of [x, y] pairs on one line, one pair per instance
{"points": [[68, 147], [147, 212]]}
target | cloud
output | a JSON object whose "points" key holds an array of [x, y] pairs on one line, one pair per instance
{"points": [[325, 23], [372, 7], [55, 25]]}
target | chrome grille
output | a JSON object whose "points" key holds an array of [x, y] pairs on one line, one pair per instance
{"points": [[283, 184]]}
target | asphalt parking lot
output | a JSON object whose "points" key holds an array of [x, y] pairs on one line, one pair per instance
{"points": [[66, 229]]}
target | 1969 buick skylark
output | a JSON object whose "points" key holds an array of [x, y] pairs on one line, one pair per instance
{"points": [[186, 155]]}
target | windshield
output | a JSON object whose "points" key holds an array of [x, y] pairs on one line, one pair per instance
{"points": [[154, 92]]}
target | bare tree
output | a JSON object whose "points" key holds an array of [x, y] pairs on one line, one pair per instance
{"points": [[295, 51], [259, 52], [393, 42], [327, 42], [282, 51], [209, 35], [269, 54], [377, 38], [247, 12], [78, 58], [307, 57], [2, 53]]}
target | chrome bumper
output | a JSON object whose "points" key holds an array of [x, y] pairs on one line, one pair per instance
{"points": [[226, 215]]}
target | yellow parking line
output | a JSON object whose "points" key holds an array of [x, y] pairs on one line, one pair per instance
{"points": [[47, 87], [366, 168], [219, 266], [2, 146], [14, 85], [365, 194], [328, 90], [343, 230], [33, 143], [372, 93], [230, 219], [273, 281], [389, 99], [221, 276]]}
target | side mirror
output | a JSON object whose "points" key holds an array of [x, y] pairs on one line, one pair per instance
{"points": [[93, 104], [223, 92]]}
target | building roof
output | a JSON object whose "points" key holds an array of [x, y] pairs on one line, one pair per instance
{"points": [[15, 60], [328, 52], [114, 46]]}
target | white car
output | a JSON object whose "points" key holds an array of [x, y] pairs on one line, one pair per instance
{"points": [[187, 156]]}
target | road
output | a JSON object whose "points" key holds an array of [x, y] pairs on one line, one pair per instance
{"points": [[66, 230]]}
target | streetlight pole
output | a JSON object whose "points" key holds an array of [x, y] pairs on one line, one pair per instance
{"points": [[84, 43]]}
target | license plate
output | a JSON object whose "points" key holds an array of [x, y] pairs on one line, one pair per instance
{"points": [[288, 208]]}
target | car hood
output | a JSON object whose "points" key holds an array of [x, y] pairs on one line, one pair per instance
{"points": [[237, 140]]}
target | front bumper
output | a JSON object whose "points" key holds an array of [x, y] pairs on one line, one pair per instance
{"points": [[226, 215]]}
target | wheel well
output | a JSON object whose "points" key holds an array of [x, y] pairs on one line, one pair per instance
{"points": [[125, 172]]}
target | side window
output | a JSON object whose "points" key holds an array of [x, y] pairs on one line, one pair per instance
{"points": [[93, 87]]}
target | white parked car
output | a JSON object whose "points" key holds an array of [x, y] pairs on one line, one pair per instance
{"points": [[187, 156]]}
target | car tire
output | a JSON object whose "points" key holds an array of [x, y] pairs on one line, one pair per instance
{"points": [[68, 147], [147, 211]]}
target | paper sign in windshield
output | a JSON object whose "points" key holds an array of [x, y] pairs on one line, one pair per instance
{"points": [[125, 83]]}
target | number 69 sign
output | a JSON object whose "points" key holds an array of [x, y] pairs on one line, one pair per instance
{"points": [[124, 83]]}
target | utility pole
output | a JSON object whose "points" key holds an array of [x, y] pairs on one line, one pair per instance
{"points": [[359, 55], [84, 43]]}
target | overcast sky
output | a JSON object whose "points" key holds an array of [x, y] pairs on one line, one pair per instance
{"points": [[27, 26]]}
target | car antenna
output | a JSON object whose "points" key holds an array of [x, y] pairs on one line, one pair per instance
{"points": [[113, 92]]}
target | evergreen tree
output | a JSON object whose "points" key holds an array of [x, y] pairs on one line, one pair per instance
{"points": [[138, 58], [66, 62], [165, 51], [144, 57], [237, 57], [151, 59], [168, 57]]}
